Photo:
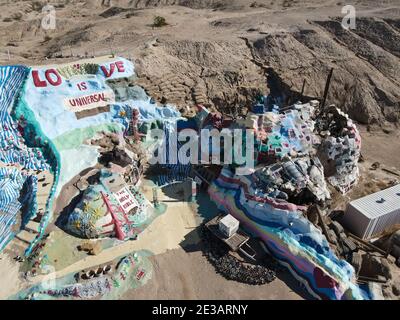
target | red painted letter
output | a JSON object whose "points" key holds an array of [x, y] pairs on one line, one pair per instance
{"points": [[120, 66], [36, 81], [82, 86], [108, 74], [56, 82]]}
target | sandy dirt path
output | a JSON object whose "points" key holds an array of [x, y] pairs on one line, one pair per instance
{"points": [[166, 232], [9, 276]]}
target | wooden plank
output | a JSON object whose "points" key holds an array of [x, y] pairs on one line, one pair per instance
{"points": [[323, 225], [367, 244], [369, 279]]}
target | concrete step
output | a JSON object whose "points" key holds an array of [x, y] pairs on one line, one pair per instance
{"points": [[18, 246], [33, 226], [26, 236]]}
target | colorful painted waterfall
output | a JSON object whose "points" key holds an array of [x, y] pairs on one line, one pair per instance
{"points": [[289, 237]]}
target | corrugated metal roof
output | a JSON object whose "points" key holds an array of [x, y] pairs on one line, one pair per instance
{"points": [[372, 206]]}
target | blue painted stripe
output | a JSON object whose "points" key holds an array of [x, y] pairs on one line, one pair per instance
{"points": [[14, 151]]}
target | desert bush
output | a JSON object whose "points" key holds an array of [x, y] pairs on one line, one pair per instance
{"points": [[17, 16], [37, 5], [159, 22]]}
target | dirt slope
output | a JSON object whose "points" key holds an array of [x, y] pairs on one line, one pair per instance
{"points": [[222, 52]]}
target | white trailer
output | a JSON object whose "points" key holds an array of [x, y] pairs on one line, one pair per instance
{"points": [[374, 214]]}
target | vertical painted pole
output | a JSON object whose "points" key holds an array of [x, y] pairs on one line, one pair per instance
{"points": [[194, 191], [155, 196]]}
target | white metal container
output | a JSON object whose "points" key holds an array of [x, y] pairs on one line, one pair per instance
{"points": [[228, 225]]}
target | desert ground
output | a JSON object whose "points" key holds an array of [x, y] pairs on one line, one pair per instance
{"points": [[221, 54]]}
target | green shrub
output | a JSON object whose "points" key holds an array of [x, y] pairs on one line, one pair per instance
{"points": [[159, 22]]}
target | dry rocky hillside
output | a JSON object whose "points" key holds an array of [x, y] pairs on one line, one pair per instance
{"points": [[224, 52]]}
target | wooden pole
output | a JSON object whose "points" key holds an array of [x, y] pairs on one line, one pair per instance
{"points": [[327, 84], [323, 225], [302, 90], [390, 171]]}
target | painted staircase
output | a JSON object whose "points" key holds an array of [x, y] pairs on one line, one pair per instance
{"points": [[22, 240]]}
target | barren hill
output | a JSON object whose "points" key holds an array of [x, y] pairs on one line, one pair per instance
{"points": [[222, 52]]}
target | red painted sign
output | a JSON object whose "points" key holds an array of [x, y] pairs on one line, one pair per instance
{"points": [[126, 200], [53, 78], [98, 99]]}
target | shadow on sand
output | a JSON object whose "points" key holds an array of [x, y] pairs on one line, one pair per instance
{"points": [[206, 210]]}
